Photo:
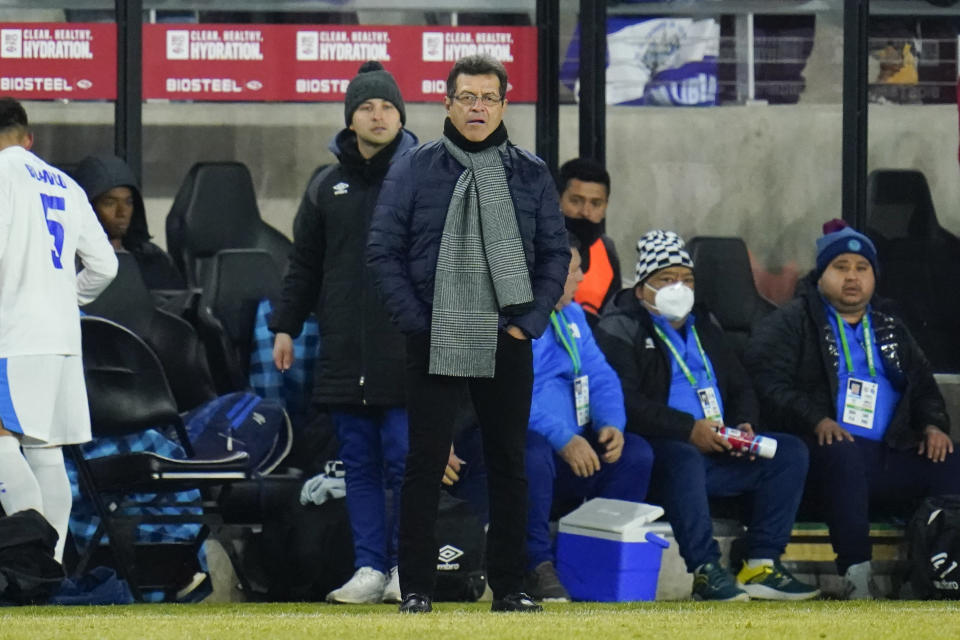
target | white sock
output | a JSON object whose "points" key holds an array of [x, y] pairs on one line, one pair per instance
{"points": [[51, 474], [19, 489], [753, 563]]}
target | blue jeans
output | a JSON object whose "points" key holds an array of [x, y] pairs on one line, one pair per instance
{"points": [[373, 447], [550, 478], [684, 478]]}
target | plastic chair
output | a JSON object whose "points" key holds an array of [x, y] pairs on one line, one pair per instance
{"points": [[215, 209]]}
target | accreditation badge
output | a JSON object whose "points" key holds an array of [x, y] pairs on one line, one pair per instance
{"points": [[860, 403], [581, 399], [709, 404]]}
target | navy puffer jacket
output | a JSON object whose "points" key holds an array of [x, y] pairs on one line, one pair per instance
{"points": [[408, 222]]}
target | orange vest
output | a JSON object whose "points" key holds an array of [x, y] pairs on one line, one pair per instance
{"points": [[596, 282]]}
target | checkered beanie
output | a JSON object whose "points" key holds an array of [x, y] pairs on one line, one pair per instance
{"points": [[658, 250]]}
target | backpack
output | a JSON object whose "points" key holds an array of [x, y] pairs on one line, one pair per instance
{"points": [[933, 538], [460, 561], [241, 421], [28, 572]]}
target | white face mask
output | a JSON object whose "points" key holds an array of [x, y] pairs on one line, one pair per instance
{"points": [[673, 301]]}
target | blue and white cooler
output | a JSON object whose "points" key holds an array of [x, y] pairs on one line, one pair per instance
{"points": [[608, 551]]}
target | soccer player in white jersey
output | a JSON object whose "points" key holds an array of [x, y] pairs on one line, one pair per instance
{"points": [[45, 223]]}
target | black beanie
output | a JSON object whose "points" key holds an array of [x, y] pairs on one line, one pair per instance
{"points": [[372, 81]]}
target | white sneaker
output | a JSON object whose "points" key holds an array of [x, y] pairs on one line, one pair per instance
{"points": [[391, 593], [858, 582], [366, 586]]}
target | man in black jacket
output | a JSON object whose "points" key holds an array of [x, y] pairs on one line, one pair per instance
{"points": [[468, 248], [681, 383], [836, 369], [359, 373]]}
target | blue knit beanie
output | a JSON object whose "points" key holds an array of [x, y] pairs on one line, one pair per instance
{"points": [[839, 238]]}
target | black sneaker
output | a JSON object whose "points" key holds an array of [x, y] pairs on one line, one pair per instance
{"points": [[516, 602], [416, 603], [544, 584], [713, 582]]}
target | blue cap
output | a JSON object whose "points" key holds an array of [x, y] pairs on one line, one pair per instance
{"points": [[845, 240]]}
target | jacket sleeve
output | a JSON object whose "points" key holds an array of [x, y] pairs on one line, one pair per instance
{"points": [[646, 415], [96, 254], [388, 245], [772, 358], [551, 260], [304, 276], [927, 406], [606, 394], [545, 417]]}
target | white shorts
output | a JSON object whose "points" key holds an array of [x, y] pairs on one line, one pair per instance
{"points": [[44, 398]]}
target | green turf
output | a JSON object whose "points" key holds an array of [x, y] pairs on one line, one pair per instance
{"points": [[673, 620]]}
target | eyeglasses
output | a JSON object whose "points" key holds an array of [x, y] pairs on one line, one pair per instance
{"points": [[487, 99]]}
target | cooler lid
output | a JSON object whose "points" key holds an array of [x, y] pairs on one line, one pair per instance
{"points": [[613, 516]]}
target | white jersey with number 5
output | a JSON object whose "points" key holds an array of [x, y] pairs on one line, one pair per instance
{"points": [[45, 221]]}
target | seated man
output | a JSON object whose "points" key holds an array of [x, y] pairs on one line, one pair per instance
{"points": [[681, 382], [576, 447], [834, 368], [112, 190], [584, 193]]}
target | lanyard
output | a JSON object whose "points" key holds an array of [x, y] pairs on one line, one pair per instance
{"points": [[867, 339], [566, 339], [683, 365]]}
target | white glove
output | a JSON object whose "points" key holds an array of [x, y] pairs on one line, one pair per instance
{"points": [[321, 488]]}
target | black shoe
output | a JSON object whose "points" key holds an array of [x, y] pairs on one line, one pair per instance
{"points": [[416, 603], [516, 602], [544, 585]]}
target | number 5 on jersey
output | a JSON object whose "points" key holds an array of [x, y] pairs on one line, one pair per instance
{"points": [[54, 203]]}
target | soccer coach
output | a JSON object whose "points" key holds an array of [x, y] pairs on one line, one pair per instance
{"points": [[468, 248]]}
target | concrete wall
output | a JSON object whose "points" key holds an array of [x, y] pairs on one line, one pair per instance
{"points": [[771, 174]]}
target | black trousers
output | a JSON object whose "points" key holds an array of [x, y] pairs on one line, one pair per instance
{"points": [[502, 405], [854, 480]]}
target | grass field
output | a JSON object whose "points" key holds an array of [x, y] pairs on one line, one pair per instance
{"points": [[674, 620]]}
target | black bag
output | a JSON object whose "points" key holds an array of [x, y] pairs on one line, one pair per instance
{"points": [[460, 563], [28, 572], [305, 551], [933, 536]]}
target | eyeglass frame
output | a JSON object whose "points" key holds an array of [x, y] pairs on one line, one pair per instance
{"points": [[474, 99]]}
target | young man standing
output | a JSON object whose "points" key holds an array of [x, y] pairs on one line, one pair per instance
{"points": [[359, 373], [45, 223], [468, 248]]}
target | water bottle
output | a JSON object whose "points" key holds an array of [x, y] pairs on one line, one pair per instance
{"points": [[761, 446]]}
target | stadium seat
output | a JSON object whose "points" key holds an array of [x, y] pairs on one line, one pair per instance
{"points": [[919, 267], [235, 283], [215, 209], [175, 342], [725, 286], [128, 393]]}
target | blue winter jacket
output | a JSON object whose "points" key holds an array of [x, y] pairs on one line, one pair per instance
{"points": [[408, 221], [552, 411]]}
